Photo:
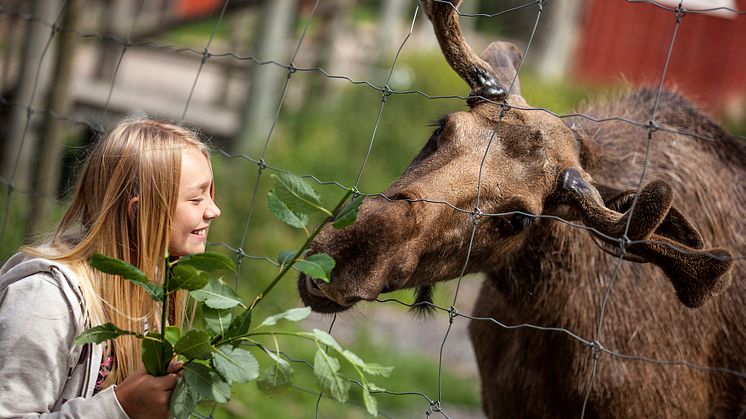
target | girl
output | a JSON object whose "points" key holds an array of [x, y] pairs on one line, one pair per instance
{"points": [[145, 189]]}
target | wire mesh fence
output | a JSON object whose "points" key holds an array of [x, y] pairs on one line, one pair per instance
{"points": [[383, 92]]}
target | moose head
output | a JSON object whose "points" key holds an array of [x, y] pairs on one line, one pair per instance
{"points": [[482, 180]]}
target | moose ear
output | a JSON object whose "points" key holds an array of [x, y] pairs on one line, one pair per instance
{"points": [[504, 58], [674, 226], [658, 233]]}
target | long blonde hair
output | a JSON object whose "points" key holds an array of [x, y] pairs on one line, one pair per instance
{"points": [[138, 158]]}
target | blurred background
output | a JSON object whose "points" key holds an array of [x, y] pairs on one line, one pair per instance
{"points": [[342, 90]]}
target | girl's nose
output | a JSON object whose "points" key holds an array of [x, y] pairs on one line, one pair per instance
{"points": [[212, 211]]}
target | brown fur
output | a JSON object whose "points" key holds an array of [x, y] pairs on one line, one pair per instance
{"points": [[560, 277], [549, 273]]}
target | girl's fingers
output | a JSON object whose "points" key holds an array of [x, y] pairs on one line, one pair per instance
{"points": [[175, 366], [168, 381]]}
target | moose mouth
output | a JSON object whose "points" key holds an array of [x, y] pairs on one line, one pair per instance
{"points": [[312, 296]]}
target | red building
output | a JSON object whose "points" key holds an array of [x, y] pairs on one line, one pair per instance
{"points": [[621, 40]]}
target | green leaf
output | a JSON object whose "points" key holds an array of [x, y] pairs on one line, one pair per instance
{"points": [[194, 345], [152, 355], [208, 262], [236, 365], [276, 378], [217, 321], [372, 369], [173, 334], [326, 368], [371, 404], [297, 195], [377, 369], [206, 383], [293, 315], [187, 277], [154, 290], [217, 295], [240, 325], [274, 356], [285, 214], [115, 266], [285, 257], [317, 266], [101, 333], [183, 400], [349, 213], [326, 339]]}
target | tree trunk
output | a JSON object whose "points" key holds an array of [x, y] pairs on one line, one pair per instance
{"points": [[468, 24], [114, 18], [561, 34], [33, 78], [333, 19], [52, 139], [238, 23], [390, 33], [10, 38], [265, 86]]}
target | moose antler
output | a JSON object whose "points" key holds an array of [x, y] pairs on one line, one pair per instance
{"points": [[478, 73]]}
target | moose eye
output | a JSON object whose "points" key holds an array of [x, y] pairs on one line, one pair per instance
{"points": [[439, 128], [403, 196], [438, 131], [432, 143], [517, 221]]}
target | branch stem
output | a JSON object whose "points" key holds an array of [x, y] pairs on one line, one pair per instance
{"points": [[297, 255], [164, 312]]}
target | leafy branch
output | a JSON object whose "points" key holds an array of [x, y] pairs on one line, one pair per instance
{"points": [[215, 354], [318, 266]]}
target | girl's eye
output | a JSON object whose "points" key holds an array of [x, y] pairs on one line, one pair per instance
{"points": [[196, 200]]}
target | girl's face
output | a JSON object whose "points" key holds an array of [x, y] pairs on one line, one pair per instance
{"points": [[195, 207]]}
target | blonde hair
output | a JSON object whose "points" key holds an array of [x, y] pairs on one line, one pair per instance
{"points": [[138, 158]]}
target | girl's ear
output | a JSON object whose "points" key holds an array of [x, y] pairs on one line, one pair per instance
{"points": [[132, 207]]}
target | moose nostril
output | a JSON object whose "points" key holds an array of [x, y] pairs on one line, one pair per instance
{"points": [[313, 289]]}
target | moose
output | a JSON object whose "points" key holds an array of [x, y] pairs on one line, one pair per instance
{"points": [[554, 214]]}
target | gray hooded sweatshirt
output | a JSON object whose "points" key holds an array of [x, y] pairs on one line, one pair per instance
{"points": [[42, 373]]}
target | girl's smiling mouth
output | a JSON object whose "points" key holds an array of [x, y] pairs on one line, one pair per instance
{"points": [[201, 232]]}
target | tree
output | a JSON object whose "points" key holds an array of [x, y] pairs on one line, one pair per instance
{"points": [[33, 78], [275, 25], [51, 141]]}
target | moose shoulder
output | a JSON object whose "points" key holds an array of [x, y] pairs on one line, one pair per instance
{"points": [[672, 342]]}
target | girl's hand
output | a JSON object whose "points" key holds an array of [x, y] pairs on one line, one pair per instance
{"points": [[144, 396]]}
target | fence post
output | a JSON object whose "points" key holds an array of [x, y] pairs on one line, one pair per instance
{"points": [[51, 142], [275, 24], [562, 32], [18, 156]]}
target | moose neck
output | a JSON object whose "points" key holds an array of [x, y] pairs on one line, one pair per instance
{"points": [[537, 284]]}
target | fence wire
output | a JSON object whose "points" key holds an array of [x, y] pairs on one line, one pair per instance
{"points": [[431, 404]]}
